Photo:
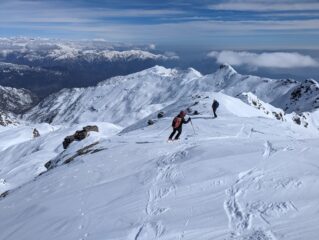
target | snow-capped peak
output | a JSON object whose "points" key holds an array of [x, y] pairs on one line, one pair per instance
{"points": [[225, 67], [137, 95], [194, 72], [160, 70]]}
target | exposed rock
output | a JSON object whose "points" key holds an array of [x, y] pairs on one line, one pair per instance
{"points": [[6, 119], [48, 165], [301, 119], [67, 141], [302, 98], [4, 194], [13, 100], [79, 135], [296, 119], [82, 151], [35, 133], [296, 94], [71, 157], [196, 96], [91, 128], [278, 116], [150, 122], [160, 115], [195, 112]]}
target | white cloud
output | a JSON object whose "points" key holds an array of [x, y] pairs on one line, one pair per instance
{"points": [[267, 59], [152, 46], [260, 6], [16, 11]]}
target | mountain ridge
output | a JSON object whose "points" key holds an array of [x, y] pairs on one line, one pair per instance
{"points": [[136, 90]]}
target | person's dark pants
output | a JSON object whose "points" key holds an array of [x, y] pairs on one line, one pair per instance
{"points": [[179, 132], [214, 111]]}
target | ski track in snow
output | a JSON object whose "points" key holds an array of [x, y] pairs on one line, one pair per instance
{"points": [[240, 218], [241, 215], [268, 149], [84, 218], [163, 184]]}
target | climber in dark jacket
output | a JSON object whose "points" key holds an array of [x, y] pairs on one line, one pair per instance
{"points": [[214, 107], [177, 123]]}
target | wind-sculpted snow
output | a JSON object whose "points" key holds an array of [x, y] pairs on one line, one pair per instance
{"points": [[243, 175]]}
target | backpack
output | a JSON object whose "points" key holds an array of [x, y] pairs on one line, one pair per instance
{"points": [[177, 122], [215, 104]]}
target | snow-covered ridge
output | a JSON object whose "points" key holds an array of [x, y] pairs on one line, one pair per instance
{"points": [[17, 67], [277, 92], [306, 119], [13, 100], [122, 100], [66, 53], [137, 95], [241, 176], [250, 173], [303, 97]]}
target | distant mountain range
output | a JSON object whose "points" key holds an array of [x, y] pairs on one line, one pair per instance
{"points": [[46, 66]]}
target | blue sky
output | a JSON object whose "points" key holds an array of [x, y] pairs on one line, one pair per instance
{"points": [[220, 24]]}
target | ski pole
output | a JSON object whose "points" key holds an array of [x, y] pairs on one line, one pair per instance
{"points": [[163, 131], [193, 127]]}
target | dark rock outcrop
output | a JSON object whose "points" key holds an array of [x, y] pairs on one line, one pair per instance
{"points": [[150, 122], [35, 133], [68, 158], [4, 194], [6, 119], [79, 135], [160, 115]]}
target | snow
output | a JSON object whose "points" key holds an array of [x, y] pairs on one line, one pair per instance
{"points": [[59, 50], [243, 175], [137, 95], [13, 100], [23, 157], [126, 96]]}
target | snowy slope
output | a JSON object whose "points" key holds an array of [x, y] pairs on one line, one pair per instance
{"points": [[121, 100], [306, 119], [15, 100], [23, 157], [124, 100], [244, 175], [274, 91], [303, 97]]}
